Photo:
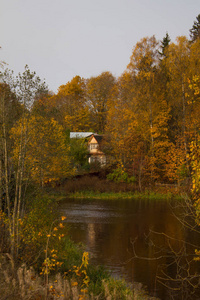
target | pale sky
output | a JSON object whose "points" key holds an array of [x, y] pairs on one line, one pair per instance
{"points": [[63, 38]]}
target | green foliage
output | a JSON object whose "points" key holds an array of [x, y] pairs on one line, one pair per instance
{"points": [[117, 289], [182, 172], [195, 30], [97, 274], [73, 253], [79, 153], [164, 43], [124, 195], [119, 175], [101, 283]]}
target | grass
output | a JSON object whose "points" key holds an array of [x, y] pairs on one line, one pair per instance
{"points": [[121, 195], [25, 283], [80, 191], [93, 187]]}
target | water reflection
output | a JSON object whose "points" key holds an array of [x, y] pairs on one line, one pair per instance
{"points": [[115, 231]]}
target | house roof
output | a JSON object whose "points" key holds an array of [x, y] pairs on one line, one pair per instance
{"points": [[98, 137], [80, 135]]}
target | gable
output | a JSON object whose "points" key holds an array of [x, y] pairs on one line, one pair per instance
{"points": [[93, 140]]}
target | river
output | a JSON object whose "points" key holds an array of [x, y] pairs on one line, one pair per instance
{"points": [[127, 235]]}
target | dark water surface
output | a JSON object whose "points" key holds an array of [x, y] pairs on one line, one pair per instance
{"points": [[115, 231]]}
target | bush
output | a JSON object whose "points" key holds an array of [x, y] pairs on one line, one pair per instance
{"points": [[97, 274], [44, 236], [119, 175], [117, 289]]}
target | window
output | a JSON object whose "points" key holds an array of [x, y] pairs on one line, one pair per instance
{"points": [[93, 146]]}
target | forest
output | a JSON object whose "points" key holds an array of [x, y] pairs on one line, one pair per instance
{"points": [[149, 117]]}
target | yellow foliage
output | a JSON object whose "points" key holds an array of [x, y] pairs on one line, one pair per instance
{"points": [[74, 283], [81, 274], [46, 152]]}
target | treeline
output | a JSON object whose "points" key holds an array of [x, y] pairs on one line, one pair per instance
{"points": [[149, 115]]}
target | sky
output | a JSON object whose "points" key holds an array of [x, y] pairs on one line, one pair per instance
{"points": [[64, 38]]}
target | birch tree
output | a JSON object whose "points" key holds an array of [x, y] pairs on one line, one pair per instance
{"points": [[70, 107], [177, 67], [47, 154], [26, 87], [98, 92], [143, 66]]}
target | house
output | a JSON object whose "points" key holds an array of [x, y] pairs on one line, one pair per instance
{"points": [[94, 141], [95, 152]]}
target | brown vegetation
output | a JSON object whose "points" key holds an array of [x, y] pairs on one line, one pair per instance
{"points": [[26, 284], [96, 184]]}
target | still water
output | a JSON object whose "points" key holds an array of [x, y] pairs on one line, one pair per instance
{"points": [[126, 236]]}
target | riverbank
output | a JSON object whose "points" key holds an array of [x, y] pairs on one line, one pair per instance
{"points": [[28, 284], [97, 187], [60, 194], [123, 195]]}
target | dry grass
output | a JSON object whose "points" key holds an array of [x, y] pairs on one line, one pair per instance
{"points": [[96, 184], [25, 284]]}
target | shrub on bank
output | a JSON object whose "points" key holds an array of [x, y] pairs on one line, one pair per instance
{"points": [[119, 175]]}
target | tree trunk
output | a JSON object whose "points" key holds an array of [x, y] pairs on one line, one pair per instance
{"points": [[184, 127]]}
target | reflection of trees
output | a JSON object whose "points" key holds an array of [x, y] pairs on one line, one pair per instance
{"points": [[115, 239], [176, 269], [144, 242]]}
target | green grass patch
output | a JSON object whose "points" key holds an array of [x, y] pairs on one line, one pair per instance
{"points": [[124, 195]]}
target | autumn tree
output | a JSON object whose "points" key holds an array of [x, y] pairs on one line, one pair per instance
{"points": [[98, 92], [47, 154], [45, 106], [192, 95], [26, 87], [143, 66], [70, 107], [120, 119], [138, 115], [9, 106], [177, 66], [126, 144]]}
